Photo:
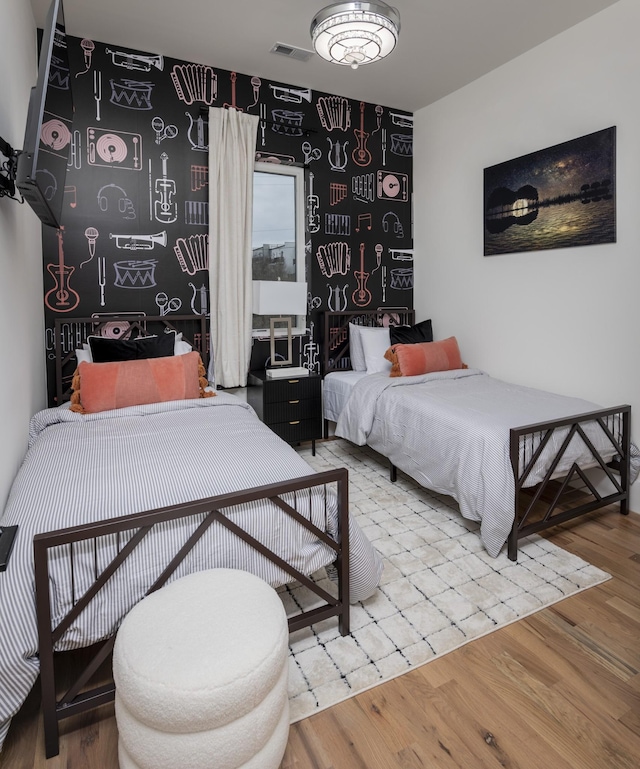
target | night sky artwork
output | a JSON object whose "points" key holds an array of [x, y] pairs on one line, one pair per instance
{"points": [[556, 198]]}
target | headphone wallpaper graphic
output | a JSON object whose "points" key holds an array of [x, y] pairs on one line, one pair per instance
{"points": [[138, 175], [396, 224], [125, 205]]}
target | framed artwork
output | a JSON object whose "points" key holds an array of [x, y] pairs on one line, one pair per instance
{"points": [[558, 197]]}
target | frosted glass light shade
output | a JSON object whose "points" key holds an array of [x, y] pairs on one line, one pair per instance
{"points": [[355, 33]]}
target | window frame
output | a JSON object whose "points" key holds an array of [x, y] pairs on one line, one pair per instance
{"points": [[297, 172]]}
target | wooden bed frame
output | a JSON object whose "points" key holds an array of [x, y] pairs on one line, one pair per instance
{"points": [[554, 499], [131, 531]]}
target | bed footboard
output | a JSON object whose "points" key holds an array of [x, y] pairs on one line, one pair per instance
{"points": [[553, 499], [292, 498]]}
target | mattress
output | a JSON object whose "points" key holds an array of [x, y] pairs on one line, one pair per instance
{"points": [[336, 390]]}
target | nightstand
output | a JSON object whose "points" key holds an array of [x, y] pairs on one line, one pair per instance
{"points": [[292, 408]]}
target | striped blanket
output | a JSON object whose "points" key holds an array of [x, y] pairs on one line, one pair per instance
{"points": [[82, 468], [449, 430]]}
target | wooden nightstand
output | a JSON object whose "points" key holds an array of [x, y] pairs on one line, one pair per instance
{"points": [[292, 408]]}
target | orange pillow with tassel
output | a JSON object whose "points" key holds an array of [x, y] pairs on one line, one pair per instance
{"points": [[105, 386], [424, 357]]}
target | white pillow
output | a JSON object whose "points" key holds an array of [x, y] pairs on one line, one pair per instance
{"points": [[84, 354], [181, 347], [375, 342], [356, 353]]}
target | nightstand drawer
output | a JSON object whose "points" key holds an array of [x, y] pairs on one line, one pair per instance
{"points": [[290, 410], [278, 390], [298, 430]]}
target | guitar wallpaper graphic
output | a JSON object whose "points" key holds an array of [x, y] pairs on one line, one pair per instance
{"points": [[135, 219], [559, 197]]}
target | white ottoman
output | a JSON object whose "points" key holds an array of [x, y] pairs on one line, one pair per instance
{"points": [[200, 668]]}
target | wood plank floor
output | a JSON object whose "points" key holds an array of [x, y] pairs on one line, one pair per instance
{"points": [[560, 689]]}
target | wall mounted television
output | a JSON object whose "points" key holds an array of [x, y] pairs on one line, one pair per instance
{"points": [[42, 165]]}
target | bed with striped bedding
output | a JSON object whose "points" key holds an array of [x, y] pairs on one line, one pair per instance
{"points": [[455, 432], [83, 468]]}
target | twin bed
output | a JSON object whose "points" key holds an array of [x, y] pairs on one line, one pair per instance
{"points": [[112, 504], [511, 456]]}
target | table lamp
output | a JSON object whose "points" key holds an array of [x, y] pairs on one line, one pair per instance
{"points": [[281, 298]]}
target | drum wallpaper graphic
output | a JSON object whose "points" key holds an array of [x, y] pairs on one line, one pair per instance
{"points": [[135, 224]]}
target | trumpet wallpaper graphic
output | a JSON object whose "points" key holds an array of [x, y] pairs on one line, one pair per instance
{"points": [[136, 206]]}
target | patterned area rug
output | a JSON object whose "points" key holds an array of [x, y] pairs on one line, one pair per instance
{"points": [[439, 590]]}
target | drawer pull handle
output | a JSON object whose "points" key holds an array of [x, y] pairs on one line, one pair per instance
{"points": [[297, 422], [294, 381], [294, 401]]}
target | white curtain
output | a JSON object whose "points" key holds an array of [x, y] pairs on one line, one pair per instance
{"points": [[232, 144]]}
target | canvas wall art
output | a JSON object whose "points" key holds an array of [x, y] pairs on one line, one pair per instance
{"points": [[558, 197]]}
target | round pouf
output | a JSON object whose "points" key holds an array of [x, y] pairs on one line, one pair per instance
{"points": [[200, 669]]}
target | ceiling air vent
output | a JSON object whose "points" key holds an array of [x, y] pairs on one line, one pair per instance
{"points": [[300, 54]]}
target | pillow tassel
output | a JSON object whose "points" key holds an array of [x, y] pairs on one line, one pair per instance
{"points": [[76, 404], [204, 382]]}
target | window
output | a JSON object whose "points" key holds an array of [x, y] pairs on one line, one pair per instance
{"points": [[278, 230]]}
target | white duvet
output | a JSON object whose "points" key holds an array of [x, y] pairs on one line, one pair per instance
{"points": [[81, 468], [450, 432]]}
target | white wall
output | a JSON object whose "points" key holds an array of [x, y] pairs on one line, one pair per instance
{"points": [[22, 384], [567, 320]]}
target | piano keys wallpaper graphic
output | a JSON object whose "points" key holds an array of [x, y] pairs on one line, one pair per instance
{"points": [[136, 219]]}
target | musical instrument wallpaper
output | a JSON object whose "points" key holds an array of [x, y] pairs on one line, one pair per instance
{"points": [[135, 220]]}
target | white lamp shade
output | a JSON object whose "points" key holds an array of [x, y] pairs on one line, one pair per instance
{"points": [[279, 297]]}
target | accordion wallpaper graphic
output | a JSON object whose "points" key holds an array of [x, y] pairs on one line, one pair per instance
{"points": [[135, 222]]}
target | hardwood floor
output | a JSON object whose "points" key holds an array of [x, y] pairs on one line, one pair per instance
{"points": [[559, 689]]}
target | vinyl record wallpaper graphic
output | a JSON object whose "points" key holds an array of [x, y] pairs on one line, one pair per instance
{"points": [[135, 224]]}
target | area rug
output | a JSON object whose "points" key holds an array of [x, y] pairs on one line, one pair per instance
{"points": [[439, 589]]}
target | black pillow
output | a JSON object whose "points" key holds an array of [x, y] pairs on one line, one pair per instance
{"points": [[421, 332], [105, 350]]}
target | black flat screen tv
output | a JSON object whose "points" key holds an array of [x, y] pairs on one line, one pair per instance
{"points": [[42, 164]]}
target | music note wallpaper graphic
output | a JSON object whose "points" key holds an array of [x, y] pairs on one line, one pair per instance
{"points": [[558, 197], [136, 215]]}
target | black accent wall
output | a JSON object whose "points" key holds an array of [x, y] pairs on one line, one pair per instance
{"points": [[135, 218]]}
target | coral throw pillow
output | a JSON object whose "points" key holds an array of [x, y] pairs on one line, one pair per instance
{"points": [[424, 357], [118, 384]]}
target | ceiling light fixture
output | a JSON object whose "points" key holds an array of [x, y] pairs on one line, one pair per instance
{"points": [[355, 33]]}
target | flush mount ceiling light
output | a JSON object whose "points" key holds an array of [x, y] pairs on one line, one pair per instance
{"points": [[355, 33]]}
